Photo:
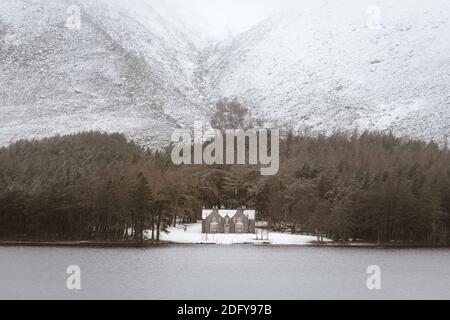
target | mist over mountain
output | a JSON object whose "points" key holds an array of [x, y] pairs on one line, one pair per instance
{"points": [[138, 68]]}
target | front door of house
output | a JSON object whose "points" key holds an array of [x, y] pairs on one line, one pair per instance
{"points": [[227, 228]]}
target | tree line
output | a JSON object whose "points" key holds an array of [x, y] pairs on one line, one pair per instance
{"points": [[87, 186], [93, 186]]}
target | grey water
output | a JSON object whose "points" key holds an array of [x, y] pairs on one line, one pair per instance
{"points": [[224, 272]]}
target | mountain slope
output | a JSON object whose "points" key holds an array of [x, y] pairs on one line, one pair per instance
{"points": [[126, 70], [319, 68], [314, 67]]}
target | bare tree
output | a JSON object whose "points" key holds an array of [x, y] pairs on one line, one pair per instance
{"points": [[229, 115]]}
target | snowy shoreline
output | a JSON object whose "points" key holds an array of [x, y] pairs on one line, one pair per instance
{"points": [[192, 234]]}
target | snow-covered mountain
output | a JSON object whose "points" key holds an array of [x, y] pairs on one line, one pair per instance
{"points": [[127, 69], [317, 66], [330, 65]]}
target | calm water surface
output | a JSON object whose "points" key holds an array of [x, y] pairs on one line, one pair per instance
{"points": [[224, 272]]}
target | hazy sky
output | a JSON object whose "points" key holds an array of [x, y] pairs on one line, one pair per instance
{"points": [[222, 17], [232, 15]]}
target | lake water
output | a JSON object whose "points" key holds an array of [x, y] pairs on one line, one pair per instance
{"points": [[224, 272]]}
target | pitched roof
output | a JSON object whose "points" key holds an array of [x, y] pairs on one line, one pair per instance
{"points": [[250, 214]]}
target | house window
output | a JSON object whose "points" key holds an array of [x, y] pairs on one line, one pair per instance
{"points": [[239, 227], [214, 227]]}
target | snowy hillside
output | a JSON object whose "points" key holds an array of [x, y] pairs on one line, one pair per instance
{"points": [[127, 69], [320, 66], [140, 69]]}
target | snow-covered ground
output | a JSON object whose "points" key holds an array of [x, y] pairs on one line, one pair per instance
{"points": [[194, 235]]}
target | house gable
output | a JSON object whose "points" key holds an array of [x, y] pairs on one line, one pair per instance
{"points": [[211, 217], [228, 221]]}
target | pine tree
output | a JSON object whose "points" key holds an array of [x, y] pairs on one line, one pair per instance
{"points": [[141, 205]]}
